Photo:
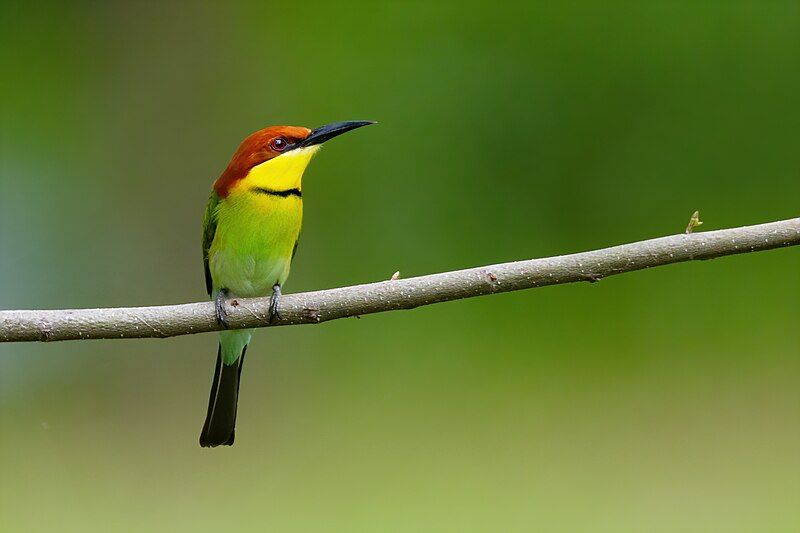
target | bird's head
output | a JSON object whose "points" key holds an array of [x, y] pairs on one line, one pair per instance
{"points": [[276, 157]]}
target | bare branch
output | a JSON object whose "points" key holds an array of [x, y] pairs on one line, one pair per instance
{"points": [[394, 294]]}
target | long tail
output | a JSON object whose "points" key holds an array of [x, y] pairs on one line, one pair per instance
{"points": [[221, 418]]}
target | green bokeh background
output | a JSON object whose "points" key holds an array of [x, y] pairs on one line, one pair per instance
{"points": [[663, 400]]}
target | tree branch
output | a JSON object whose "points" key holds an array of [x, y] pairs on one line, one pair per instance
{"points": [[391, 295]]}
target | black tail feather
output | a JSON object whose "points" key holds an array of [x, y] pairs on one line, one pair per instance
{"points": [[221, 417]]}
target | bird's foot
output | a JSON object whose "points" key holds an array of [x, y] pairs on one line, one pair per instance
{"points": [[219, 308], [274, 303]]}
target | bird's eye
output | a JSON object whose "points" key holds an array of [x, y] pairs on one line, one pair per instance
{"points": [[278, 144]]}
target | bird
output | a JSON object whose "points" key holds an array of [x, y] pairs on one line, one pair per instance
{"points": [[250, 232]]}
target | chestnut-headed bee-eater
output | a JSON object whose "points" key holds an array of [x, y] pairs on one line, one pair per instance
{"points": [[250, 231]]}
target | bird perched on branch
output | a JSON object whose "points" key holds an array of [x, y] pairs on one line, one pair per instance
{"points": [[250, 231]]}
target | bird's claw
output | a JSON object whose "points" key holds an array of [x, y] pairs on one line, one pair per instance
{"points": [[274, 304], [219, 308]]}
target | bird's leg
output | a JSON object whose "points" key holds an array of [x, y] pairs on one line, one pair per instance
{"points": [[219, 307], [274, 302]]}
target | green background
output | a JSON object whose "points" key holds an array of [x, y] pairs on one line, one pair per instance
{"points": [[662, 400]]}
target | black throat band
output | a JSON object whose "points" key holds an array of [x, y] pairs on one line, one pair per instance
{"points": [[283, 194]]}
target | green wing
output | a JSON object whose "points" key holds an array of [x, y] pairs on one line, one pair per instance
{"points": [[209, 229]]}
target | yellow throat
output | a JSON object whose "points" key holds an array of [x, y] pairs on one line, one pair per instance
{"points": [[283, 173]]}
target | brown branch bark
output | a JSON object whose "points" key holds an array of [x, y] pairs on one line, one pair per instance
{"points": [[395, 294]]}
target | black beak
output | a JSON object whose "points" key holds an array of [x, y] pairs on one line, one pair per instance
{"points": [[329, 131]]}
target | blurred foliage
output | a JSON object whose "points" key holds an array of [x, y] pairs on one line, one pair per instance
{"points": [[663, 400]]}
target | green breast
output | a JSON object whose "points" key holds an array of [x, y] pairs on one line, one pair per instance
{"points": [[254, 241]]}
